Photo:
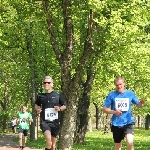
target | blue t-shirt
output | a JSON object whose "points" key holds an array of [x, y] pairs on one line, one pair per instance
{"points": [[122, 101]]}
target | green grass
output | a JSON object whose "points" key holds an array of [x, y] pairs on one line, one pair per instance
{"points": [[96, 140]]}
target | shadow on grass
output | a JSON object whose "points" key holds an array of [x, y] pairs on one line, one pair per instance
{"points": [[96, 140]]}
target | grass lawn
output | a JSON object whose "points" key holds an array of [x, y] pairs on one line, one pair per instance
{"points": [[96, 140]]}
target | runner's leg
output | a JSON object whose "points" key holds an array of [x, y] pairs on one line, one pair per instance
{"points": [[25, 133], [15, 129], [118, 135], [53, 139], [129, 140], [128, 132], [20, 140], [47, 135]]}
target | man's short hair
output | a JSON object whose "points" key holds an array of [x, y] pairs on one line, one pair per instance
{"points": [[48, 77], [118, 78]]}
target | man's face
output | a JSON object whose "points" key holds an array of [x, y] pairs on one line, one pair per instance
{"points": [[120, 85], [47, 84]]}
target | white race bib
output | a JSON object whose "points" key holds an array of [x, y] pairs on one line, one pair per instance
{"points": [[22, 121], [51, 114], [122, 103]]}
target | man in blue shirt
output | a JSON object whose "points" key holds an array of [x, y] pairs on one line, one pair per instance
{"points": [[119, 103]]}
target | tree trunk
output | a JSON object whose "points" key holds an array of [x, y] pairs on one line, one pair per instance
{"points": [[33, 77], [98, 116], [107, 124], [81, 126], [138, 121], [5, 106], [68, 123], [147, 122], [71, 83], [83, 108], [82, 120], [34, 124], [89, 127]]}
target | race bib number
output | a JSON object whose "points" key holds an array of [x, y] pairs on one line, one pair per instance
{"points": [[22, 121], [122, 103], [51, 114]]}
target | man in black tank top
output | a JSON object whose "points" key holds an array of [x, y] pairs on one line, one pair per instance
{"points": [[49, 105]]}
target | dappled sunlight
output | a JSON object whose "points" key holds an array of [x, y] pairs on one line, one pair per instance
{"points": [[96, 140]]}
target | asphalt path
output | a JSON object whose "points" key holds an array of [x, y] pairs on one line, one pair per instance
{"points": [[7, 143]]}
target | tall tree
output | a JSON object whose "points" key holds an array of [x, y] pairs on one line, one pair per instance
{"points": [[70, 81]]}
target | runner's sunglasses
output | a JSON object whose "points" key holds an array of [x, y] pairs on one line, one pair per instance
{"points": [[47, 82]]}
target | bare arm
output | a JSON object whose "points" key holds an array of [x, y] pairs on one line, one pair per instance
{"points": [[30, 120], [61, 108], [140, 104], [17, 121], [38, 108], [109, 111]]}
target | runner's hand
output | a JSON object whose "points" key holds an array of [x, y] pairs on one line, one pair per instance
{"points": [[142, 101], [118, 112], [39, 110], [57, 108]]}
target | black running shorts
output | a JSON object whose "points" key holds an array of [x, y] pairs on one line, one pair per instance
{"points": [[24, 131], [120, 132], [53, 127]]}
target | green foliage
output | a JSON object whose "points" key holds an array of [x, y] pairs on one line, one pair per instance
{"points": [[4, 120], [120, 40], [22, 22], [125, 48]]}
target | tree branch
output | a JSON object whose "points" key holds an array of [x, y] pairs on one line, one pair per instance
{"points": [[88, 50], [51, 31]]}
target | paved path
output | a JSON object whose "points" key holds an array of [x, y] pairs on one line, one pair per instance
{"points": [[7, 143]]}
